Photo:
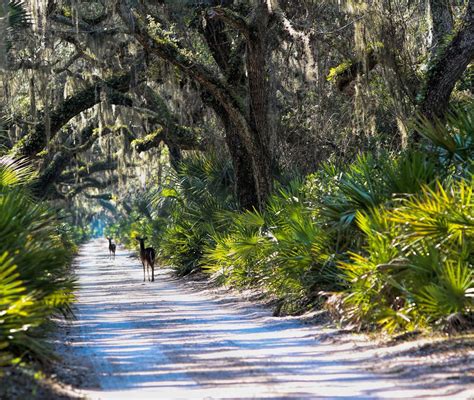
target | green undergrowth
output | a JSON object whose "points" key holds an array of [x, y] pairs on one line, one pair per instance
{"points": [[36, 250], [382, 242]]}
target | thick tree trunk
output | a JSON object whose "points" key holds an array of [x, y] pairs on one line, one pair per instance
{"points": [[218, 40], [258, 101], [242, 163], [243, 172], [175, 156], [448, 68], [250, 127]]}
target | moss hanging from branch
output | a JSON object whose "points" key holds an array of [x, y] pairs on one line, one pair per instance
{"points": [[37, 139]]}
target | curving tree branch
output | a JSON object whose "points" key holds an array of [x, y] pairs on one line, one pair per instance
{"points": [[36, 140]]}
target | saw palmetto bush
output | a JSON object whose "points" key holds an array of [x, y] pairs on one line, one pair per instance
{"points": [[34, 255], [452, 141], [373, 181], [193, 200], [282, 250], [417, 265], [390, 234]]}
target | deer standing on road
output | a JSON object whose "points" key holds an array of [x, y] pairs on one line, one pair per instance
{"points": [[112, 248], [147, 257]]}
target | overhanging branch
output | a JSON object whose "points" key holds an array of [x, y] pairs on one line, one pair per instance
{"points": [[35, 141]]}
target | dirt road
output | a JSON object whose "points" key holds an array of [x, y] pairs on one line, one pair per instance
{"points": [[162, 340]]}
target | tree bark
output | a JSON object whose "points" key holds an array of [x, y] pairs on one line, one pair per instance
{"points": [[244, 188], [442, 22], [448, 67], [258, 98]]}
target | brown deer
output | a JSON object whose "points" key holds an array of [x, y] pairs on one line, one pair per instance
{"points": [[147, 257], [112, 248]]}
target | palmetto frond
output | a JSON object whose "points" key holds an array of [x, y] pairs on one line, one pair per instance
{"points": [[33, 262], [14, 172], [452, 139], [444, 215]]}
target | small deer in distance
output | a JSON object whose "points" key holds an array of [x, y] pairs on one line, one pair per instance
{"points": [[112, 248], [147, 257]]}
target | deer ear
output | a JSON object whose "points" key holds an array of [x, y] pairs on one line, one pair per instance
{"points": [[145, 238]]}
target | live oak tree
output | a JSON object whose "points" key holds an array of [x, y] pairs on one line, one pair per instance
{"points": [[86, 84]]}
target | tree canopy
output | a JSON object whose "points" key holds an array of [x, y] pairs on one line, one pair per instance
{"points": [[120, 89]]}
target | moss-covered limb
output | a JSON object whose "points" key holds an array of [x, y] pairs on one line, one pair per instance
{"points": [[92, 183], [60, 161], [448, 67], [35, 141], [183, 137], [150, 141], [101, 196], [346, 73], [87, 170], [231, 18]]}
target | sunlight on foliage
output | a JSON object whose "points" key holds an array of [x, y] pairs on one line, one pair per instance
{"points": [[34, 253]]}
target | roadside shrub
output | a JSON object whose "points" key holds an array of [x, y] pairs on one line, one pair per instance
{"points": [[34, 255], [282, 250], [417, 267], [389, 234], [196, 196]]}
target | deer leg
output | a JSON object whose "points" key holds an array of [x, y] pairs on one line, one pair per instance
{"points": [[148, 271], [152, 273], [143, 272]]}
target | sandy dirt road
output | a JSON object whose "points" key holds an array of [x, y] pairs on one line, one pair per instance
{"points": [[162, 340]]}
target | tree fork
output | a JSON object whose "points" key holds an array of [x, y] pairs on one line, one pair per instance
{"points": [[222, 93]]}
